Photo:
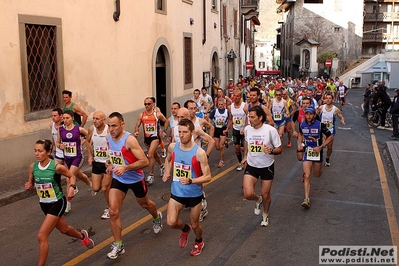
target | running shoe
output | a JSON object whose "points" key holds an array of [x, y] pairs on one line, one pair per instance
{"points": [[157, 225], [116, 250], [105, 214], [303, 178], [257, 205], [163, 153], [149, 179], [327, 162], [221, 164], [393, 137], [68, 207], [197, 249], [265, 220], [76, 190], [381, 127], [226, 144], [183, 237], [93, 193], [203, 214], [87, 241], [239, 167], [162, 170], [306, 203], [289, 144]]}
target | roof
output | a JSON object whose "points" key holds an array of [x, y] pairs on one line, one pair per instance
{"points": [[310, 41]]}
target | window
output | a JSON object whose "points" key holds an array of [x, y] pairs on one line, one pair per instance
{"points": [[160, 6], [337, 29], [235, 23], [188, 62], [224, 17], [262, 65], [41, 60], [261, 55], [214, 5]]}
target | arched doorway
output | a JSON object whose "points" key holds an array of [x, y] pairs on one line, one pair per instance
{"points": [[161, 79], [214, 72]]}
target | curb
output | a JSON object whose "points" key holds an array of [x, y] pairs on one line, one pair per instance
{"points": [[393, 151]]}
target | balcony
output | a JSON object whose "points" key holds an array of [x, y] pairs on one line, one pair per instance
{"points": [[374, 17], [391, 16], [249, 8], [372, 37]]}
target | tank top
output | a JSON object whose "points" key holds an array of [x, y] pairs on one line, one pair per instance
{"points": [[120, 155], [77, 119], [58, 152], [278, 110], [71, 141], [100, 147], [173, 122], [328, 118], [220, 119], [150, 124], [239, 116], [312, 137], [185, 164], [257, 139], [47, 182]]}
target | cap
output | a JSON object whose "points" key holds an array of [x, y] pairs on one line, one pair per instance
{"points": [[230, 79], [310, 109], [303, 86]]}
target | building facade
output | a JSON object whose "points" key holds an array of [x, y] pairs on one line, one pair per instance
{"points": [[111, 56], [335, 25]]}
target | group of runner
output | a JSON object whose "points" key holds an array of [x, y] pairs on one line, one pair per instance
{"points": [[259, 114]]}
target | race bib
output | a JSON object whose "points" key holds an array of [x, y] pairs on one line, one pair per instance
{"points": [[70, 149], [116, 158], [277, 116], [219, 123], [256, 148], [311, 155], [181, 170], [238, 121], [329, 125], [100, 152], [341, 93], [150, 129], [46, 192]]}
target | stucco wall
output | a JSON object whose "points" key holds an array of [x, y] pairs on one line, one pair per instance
{"points": [[107, 65]]}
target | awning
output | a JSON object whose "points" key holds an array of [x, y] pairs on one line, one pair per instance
{"points": [[268, 72]]}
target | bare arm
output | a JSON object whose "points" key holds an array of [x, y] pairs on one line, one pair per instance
{"points": [[168, 163], [341, 117], [89, 145], [269, 117], [30, 182], [62, 170], [208, 125], [138, 123], [76, 108], [211, 142]]}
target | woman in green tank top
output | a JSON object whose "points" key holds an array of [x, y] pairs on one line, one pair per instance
{"points": [[45, 175]]}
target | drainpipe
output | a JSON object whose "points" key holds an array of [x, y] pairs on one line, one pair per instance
{"points": [[117, 12], [350, 82]]}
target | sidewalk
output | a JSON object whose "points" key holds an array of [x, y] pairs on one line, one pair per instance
{"points": [[393, 155]]}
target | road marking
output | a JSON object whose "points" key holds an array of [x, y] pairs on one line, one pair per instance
{"points": [[393, 224], [335, 201], [133, 226]]}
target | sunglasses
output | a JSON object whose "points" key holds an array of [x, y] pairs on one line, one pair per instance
{"points": [[146, 104], [278, 94]]}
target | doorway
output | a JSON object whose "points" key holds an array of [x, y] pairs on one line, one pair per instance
{"points": [[160, 80]]}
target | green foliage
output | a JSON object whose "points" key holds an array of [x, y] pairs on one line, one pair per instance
{"points": [[325, 56], [297, 58]]}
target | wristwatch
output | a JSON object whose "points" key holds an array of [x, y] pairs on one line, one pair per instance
{"points": [[190, 181], [271, 151]]}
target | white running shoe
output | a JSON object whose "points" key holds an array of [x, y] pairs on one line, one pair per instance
{"points": [[149, 179], [163, 153], [116, 250], [162, 170], [257, 205], [265, 220], [76, 190], [105, 214], [68, 207], [239, 167], [203, 214], [157, 226]]}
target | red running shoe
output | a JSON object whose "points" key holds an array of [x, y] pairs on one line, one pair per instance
{"points": [[183, 237], [197, 249]]}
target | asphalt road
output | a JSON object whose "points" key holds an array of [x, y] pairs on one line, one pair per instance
{"points": [[349, 206]]}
